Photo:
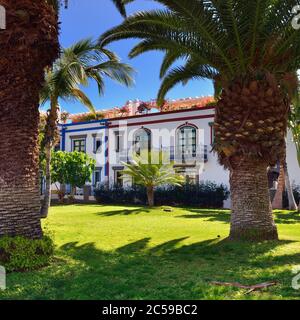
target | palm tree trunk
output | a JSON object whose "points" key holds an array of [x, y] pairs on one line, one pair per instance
{"points": [[248, 139], [47, 196], [51, 136], [73, 192], [289, 189], [27, 46], [62, 193], [277, 202], [150, 196], [251, 217]]}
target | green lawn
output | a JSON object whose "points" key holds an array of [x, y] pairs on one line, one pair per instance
{"points": [[115, 252]]}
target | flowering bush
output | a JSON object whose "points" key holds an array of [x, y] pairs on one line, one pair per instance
{"points": [[84, 117]]}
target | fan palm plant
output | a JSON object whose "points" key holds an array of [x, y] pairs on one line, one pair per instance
{"points": [[27, 46], [152, 175], [77, 65], [251, 51]]}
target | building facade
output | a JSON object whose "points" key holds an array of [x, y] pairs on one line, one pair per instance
{"points": [[185, 138]]}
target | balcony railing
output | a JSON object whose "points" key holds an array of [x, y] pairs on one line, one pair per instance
{"points": [[188, 157]]}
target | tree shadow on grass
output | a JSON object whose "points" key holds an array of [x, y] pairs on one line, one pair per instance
{"points": [[165, 271], [125, 212], [134, 247], [287, 218], [224, 216], [213, 215]]}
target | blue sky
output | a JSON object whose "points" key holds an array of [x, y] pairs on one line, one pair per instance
{"points": [[90, 18]]}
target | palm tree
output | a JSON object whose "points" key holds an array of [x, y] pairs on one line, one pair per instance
{"points": [[77, 65], [151, 176], [251, 51], [28, 45]]}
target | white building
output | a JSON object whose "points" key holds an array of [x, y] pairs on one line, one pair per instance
{"points": [[185, 136]]}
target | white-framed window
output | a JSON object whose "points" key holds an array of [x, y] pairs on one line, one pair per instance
{"points": [[186, 143], [97, 143], [79, 145], [142, 141], [97, 177], [119, 178], [119, 141]]}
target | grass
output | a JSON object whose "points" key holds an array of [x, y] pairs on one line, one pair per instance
{"points": [[115, 252]]}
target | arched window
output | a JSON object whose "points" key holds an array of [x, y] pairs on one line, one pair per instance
{"points": [[186, 146], [142, 141]]}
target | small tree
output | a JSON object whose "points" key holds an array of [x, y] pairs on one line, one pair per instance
{"points": [[74, 168], [152, 175]]}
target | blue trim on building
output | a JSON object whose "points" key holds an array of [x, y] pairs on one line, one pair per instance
{"points": [[63, 139], [106, 146], [87, 129], [85, 122]]}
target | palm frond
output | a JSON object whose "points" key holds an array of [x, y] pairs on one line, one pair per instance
{"points": [[152, 175], [80, 96], [80, 63], [192, 70], [231, 37]]}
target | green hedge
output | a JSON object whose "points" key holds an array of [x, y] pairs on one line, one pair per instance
{"points": [[23, 254], [205, 195]]}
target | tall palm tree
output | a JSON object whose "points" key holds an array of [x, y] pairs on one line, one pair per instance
{"points": [[77, 65], [251, 51], [152, 175], [27, 46]]}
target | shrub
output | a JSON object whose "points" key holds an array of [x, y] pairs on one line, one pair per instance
{"points": [[205, 195], [117, 194], [23, 254]]}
